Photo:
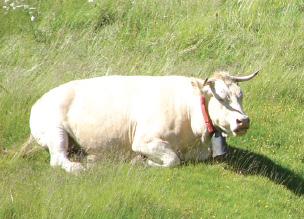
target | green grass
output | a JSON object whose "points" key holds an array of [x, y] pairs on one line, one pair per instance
{"points": [[118, 190], [264, 176]]}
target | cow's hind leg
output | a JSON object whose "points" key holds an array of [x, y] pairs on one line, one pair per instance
{"points": [[58, 148], [158, 153]]}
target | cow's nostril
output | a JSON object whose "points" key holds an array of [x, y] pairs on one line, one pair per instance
{"points": [[243, 122], [239, 121]]}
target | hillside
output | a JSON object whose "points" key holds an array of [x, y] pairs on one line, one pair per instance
{"points": [[46, 43]]}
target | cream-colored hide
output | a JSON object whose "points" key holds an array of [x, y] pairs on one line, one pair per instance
{"points": [[159, 117]]}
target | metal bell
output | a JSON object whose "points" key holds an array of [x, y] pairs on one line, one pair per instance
{"points": [[219, 144]]}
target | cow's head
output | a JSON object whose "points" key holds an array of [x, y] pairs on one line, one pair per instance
{"points": [[225, 102]]}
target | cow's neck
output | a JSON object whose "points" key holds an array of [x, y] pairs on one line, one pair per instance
{"points": [[207, 120], [198, 124]]}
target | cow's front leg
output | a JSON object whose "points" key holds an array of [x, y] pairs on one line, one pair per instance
{"points": [[158, 153]]}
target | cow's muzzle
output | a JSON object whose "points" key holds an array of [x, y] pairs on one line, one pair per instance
{"points": [[242, 125]]}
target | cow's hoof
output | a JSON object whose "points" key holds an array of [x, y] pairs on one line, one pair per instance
{"points": [[75, 168], [139, 160]]}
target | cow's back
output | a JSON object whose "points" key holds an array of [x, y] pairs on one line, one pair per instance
{"points": [[111, 110]]}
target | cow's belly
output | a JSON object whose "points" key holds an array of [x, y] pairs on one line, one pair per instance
{"points": [[100, 131], [93, 141]]}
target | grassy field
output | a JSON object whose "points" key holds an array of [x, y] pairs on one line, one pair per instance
{"points": [[51, 42]]}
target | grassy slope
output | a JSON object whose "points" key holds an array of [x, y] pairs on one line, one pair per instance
{"points": [[77, 40]]}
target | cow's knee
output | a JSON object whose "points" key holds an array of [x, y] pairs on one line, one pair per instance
{"points": [[171, 160], [158, 152]]}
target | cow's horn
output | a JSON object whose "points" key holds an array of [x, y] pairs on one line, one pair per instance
{"points": [[244, 78]]}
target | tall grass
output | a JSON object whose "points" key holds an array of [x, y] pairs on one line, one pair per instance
{"points": [[77, 39]]}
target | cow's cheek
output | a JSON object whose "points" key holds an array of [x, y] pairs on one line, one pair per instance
{"points": [[226, 120], [214, 111], [219, 115]]}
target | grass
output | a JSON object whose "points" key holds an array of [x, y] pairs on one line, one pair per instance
{"points": [[263, 176], [189, 191]]}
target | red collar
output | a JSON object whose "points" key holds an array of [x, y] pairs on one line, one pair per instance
{"points": [[206, 116]]}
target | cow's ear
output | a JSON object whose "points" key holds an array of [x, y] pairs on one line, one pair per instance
{"points": [[208, 87], [198, 85], [202, 87], [210, 82]]}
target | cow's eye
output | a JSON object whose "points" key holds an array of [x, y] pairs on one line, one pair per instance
{"points": [[221, 99], [227, 99]]}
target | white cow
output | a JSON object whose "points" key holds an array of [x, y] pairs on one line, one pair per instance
{"points": [[159, 117]]}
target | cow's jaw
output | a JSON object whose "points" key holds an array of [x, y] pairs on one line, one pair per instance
{"points": [[239, 133], [232, 132]]}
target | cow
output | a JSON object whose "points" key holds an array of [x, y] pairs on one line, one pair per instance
{"points": [[158, 117]]}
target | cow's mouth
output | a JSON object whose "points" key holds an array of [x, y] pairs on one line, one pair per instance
{"points": [[240, 131], [237, 132]]}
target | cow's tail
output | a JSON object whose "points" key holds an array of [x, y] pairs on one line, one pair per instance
{"points": [[27, 149]]}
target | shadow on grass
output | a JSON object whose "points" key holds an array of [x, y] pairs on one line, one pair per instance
{"points": [[250, 163]]}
